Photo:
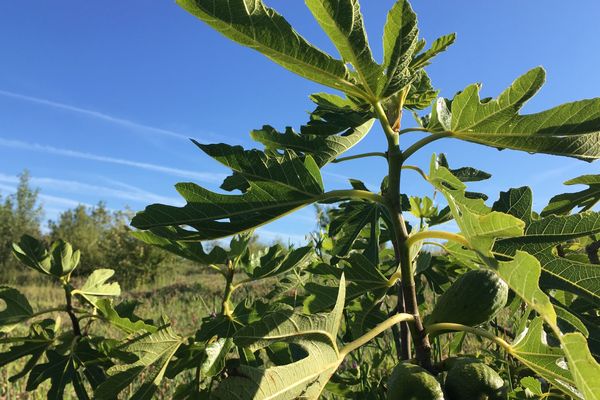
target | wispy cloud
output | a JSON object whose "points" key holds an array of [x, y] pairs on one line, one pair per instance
{"points": [[96, 114], [59, 202], [201, 176], [101, 192]]}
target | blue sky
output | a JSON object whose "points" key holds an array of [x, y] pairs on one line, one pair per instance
{"points": [[97, 99]]}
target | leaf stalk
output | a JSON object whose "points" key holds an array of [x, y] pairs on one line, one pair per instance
{"points": [[357, 156], [423, 142], [383, 326], [449, 326], [424, 235]]}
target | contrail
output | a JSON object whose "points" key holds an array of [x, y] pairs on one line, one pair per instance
{"points": [[201, 176], [95, 114], [63, 201], [132, 193]]}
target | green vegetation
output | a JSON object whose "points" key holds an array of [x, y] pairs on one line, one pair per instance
{"points": [[103, 238], [337, 315]]}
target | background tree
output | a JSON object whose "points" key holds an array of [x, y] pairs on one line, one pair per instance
{"points": [[105, 240], [85, 227], [20, 213]]}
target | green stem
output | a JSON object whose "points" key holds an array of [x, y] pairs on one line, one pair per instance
{"points": [[418, 170], [424, 235], [388, 323], [226, 304], [357, 156], [48, 310], [392, 137], [426, 140], [352, 193], [449, 326], [401, 250], [216, 268], [415, 129]]}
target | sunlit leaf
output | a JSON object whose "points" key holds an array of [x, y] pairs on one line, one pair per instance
{"points": [[586, 199], [532, 349], [121, 322], [96, 288], [154, 351], [343, 23], [399, 44], [542, 235], [323, 148], [582, 365], [438, 46], [277, 185], [253, 24], [316, 334], [59, 260], [571, 129], [480, 226]]}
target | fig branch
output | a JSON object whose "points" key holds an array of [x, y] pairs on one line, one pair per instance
{"points": [[400, 241]]}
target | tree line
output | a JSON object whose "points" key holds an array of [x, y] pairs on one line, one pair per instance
{"points": [[102, 235]]}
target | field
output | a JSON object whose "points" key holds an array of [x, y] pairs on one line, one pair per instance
{"points": [[185, 294]]}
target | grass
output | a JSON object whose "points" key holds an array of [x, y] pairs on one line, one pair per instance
{"points": [[185, 295]]}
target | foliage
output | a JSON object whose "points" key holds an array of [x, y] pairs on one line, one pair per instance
{"points": [[359, 293], [20, 213], [105, 240]]}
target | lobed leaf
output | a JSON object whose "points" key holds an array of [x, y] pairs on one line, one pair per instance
{"points": [[343, 23], [275, 263], [438, 46], [253, 24], [335, 114], [123, 323], [191, 251], [399, 44], [582, 365], [305, 378], [541, 237], [350, 219], [96, 288], [480, 226], [322, 148], [566, 202], [276, 186], [154, 352], [16, 308], [532, 349], [40, 338], [363, 277], [571, 129]]}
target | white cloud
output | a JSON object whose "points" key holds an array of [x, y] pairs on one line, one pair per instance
{"points": [[201, 176], [101, 192], [95, 114], [56, 201]]}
